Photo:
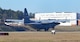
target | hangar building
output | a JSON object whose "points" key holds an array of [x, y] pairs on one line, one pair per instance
{"points": [[65, 18]]}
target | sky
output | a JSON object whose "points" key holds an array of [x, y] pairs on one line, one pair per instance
{"points": [[42, 5]]}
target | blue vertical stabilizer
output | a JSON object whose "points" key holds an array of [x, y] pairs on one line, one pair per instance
{"points": [[26, 17]]}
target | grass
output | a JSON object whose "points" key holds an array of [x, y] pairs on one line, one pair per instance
{"points": [[41, 37]]}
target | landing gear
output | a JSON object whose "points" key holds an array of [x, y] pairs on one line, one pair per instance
{"points": [[38, 29], [46, 29]]}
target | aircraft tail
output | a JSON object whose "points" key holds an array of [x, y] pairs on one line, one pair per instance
{"points": [[26, 16]]}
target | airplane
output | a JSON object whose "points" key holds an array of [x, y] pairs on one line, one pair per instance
{"points": [[14, 22], [38, 25]]}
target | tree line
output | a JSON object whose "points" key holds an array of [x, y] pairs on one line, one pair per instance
{"points": [[10, 14]]}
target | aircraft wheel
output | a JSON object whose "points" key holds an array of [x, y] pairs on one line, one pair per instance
{"points": [[38, 29], [46, 29]]}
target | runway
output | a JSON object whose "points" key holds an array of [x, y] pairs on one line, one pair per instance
{"points": [[39, 32], [29, 36]]}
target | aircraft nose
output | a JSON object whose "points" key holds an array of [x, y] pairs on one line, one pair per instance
{"points": [[57, 23]]}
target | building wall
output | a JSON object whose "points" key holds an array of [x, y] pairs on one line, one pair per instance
{"points": [[71, 17]]}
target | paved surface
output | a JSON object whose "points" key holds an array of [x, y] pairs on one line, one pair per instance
{"points": [[39, 32]]}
